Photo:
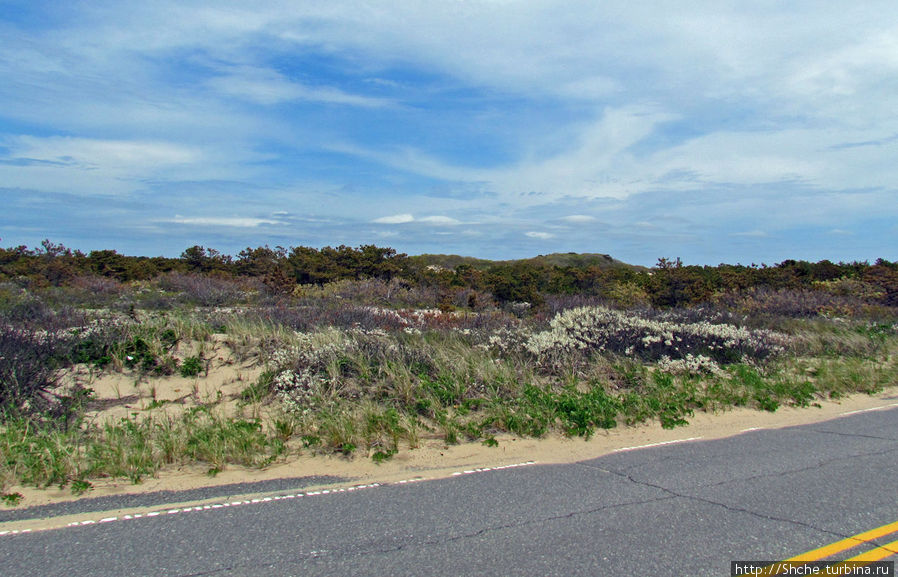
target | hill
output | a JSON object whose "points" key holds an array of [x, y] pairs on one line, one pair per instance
{"points": [[569, 259]]}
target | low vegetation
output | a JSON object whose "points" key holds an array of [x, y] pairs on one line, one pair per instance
{"points": [[367, 352]]}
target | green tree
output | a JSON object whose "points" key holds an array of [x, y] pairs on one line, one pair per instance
{"points": [[205, 260]]}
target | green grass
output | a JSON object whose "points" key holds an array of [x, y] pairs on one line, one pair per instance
{"points": [[258, 390], [133, 449]]}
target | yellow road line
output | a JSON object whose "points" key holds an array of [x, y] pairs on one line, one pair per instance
{"points": [[886, 550], [844, 545], [866, 558]]}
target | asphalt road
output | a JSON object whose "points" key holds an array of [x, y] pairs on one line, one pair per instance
{"points": [[680, 509]]}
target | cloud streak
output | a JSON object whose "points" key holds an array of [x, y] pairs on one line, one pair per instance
{"points": [[225, 221], [435, 220]]}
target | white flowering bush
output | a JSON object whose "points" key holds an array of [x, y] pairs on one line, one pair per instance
{"points": [[506, 340], [301, 370], [600, 329], [690, 365], [297, 391]]}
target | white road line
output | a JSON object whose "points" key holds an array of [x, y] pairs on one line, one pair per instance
{"points": [[481, 470], [656, 444], [132, 516], [870, 410]]}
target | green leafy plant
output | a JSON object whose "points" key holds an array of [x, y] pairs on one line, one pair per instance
{"points": [[12, 499], [80, 486], [284, 428], [381, 456], [191, 366], [310, 441]]}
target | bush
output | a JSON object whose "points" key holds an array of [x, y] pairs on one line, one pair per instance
{"points": [[587, 330], [538, 409], [206, 290], [793, 303], [191, 367], [29, 363], [26, 309]]}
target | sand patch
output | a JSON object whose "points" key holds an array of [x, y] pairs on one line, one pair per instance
{"points": [[131, 393]]}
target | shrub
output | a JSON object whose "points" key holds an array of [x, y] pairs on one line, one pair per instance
{"points": [[191, 367], [830, 300], [97, 343], [27, 310], [538, 409], [689, 365], [598, 329], [628, 295], [29, 363], [206, 290]]}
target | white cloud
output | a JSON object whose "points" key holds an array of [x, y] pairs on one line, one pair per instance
{"points": [[405, 218], [94, 166], [596, 165], [848, 69], [266, 86], [812, 156], [751, 234], [578, 218], [540, 235], [440, 220], [90, 153], [237, 222], [395, 219]]}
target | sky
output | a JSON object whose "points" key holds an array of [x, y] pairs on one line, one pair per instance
{"points": [[714, 131]]}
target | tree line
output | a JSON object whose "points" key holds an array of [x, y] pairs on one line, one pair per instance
{"points": [[669, 283]]}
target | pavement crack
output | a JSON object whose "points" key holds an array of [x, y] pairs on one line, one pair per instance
{"points": [[624, 472], [727, 506], [409, 542], [668, 495], [856, 435], [676, 494], [568, 515]]}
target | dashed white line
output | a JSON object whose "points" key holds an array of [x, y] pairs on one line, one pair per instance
{"points": [[132, 516], [870, 410], [499, 468], [622, 449], [214, 506]]}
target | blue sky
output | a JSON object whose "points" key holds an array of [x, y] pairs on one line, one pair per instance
{"points": [[708, 130]]}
